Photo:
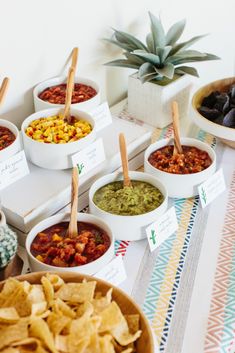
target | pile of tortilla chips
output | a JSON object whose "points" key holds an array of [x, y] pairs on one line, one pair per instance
{"points": [[55, 316]]}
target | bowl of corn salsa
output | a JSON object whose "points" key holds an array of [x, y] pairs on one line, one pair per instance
{"points": [[50, 141], [181, 174], [9, 139], [51, 94]]}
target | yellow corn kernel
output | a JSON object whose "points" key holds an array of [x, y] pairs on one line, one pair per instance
{"points": [[39, 258]]}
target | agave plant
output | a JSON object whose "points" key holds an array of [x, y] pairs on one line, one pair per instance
{"points": [[160, 59]]}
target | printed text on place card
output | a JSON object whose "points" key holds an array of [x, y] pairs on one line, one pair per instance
{"points": [[90, 157], [114, 272], [13, 169], [102, 116]]}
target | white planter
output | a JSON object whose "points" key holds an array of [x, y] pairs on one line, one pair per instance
{"points": [[151, 103]]}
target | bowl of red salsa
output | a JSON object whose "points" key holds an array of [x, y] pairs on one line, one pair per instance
{"points": [[50, 249], [181, 173], [51, 94], [9, 139]]}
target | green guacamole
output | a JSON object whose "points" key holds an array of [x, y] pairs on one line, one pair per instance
{"points": [[141, 198]]}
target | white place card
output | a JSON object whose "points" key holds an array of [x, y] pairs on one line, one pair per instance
{"points": [[114, 272], [211, 188], [90, 157], [160, 230], [102, 116], [13, 169]]}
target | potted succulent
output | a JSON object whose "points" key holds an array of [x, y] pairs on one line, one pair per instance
{"points": [[161, 71]]}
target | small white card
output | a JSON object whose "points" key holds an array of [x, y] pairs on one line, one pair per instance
{"points": [[13, 169], [160, 230], [114, 272], [90, 157], [102, 116], [211, 188]]}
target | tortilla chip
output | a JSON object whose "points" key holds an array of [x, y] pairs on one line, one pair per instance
{"points": [[133, 322], [113, 321], [10, 350], [8, 315], [76, 292], [61, 307], [13, 333], [101, 303], [81, 331], [48, 289], [85, 309], [40, 329], [39, 308], [55, 280], [57, 322], [61, 343], [106, 345]]}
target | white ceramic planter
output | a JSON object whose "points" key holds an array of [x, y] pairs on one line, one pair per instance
{"points": [[15, 146], [151, 103], [180, 186], [88, 269], [87, 106], [128, 227], [55, 156]]}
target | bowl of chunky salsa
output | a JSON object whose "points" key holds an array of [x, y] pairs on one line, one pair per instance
{"points": [[49, 247], [181, 173], [51, 93], [9, 139]]}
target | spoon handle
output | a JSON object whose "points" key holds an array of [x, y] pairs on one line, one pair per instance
{"points": [[123, 152], [4, 88], [175, 117], [74, 58], [73, 228], [69, 92]]}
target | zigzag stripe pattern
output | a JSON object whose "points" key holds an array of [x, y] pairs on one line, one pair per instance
{"points": [[162, 290], [168, 290], [221, 321], [178, 275], [120, 247]]}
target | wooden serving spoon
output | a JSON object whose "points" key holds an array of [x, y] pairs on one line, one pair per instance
{"points": [[70, 85], [69, 92], [72, 231], [75, 58], [124, 158], [175, 116], [3, 89]]}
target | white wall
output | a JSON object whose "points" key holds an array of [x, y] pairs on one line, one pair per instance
{"points": [[36, 37]]}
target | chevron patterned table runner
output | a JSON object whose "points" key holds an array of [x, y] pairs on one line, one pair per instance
{"points": [[163, 282]]}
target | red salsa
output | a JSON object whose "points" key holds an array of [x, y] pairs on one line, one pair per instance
{"points": [[6, 137], [192, 160], [53, 247], [57, 94]]}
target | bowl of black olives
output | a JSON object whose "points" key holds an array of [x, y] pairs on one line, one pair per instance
{"points": [[214, 109]]}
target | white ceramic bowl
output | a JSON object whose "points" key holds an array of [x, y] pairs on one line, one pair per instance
{"points": [[88, 105], [15, 146], [180, 186], [226, 134], [55, 156], [128, 227], [88, 269]]}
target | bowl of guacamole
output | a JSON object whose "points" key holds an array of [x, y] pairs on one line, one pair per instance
{"points": [[128, 210]]}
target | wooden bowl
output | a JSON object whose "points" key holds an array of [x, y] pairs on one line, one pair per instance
{"points": [[145, 343], [226, 134]]}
